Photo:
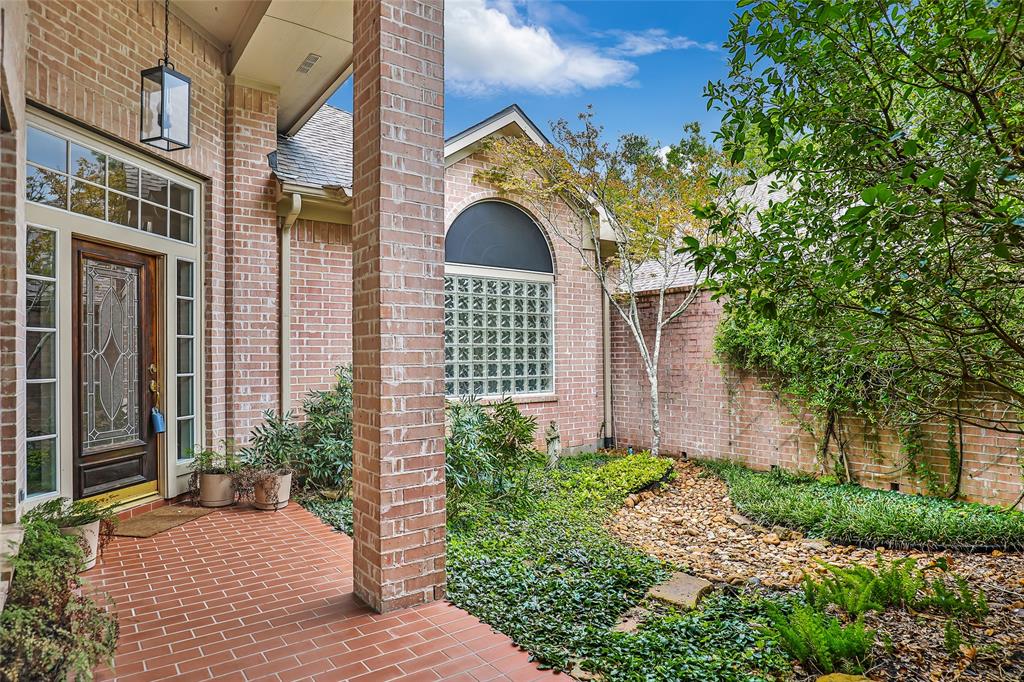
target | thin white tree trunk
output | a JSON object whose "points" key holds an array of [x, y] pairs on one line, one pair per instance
{"points": [[655, 412]]}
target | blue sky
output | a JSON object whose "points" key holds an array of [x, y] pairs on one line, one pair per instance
{"points": [[643, 65]]}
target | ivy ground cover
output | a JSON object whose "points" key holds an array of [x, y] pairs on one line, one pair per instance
{"points": [[545, 572]]}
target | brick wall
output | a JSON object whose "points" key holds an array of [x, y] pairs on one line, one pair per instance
{"points": [[252, 307], [321, 298], [711, 411], [577, 406], [12, 256]]}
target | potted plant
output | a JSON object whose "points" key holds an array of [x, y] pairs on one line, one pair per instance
{"points": [[265, 470], [88, 520], [212, 479]]}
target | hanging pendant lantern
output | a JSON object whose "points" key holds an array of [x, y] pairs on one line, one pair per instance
{"points": [[165, 118]]}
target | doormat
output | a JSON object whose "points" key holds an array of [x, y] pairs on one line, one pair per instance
{"points": [[158, 520]]}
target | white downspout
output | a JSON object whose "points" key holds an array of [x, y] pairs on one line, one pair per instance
{"points": [[285, 361]]}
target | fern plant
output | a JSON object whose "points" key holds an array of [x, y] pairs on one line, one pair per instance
{"points": [[820, 641], [857, 589]]}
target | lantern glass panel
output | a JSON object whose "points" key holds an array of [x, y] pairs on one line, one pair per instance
{"points": [[176, 109], [152, 79]]}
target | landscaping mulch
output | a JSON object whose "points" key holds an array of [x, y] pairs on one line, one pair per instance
{"points": [[692, 523]]}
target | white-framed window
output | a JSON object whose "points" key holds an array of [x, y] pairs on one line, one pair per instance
{"points": [[499, 304], [69, 175], [41, 368], [498, 335], [186, 361]]}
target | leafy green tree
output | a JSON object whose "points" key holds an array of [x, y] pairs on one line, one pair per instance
{"points": [[891, 275], [631, 212]]}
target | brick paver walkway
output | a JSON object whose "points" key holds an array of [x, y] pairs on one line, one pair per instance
{"points": [[245, 595]]}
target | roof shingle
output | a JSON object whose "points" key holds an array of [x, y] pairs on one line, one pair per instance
{"points": [[320, 154]]}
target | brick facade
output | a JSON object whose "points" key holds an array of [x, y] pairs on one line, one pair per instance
{"points": [[397, 303], [712, 411], [321, 298], [252, 280]]}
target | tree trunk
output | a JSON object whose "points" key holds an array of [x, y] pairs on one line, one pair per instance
{"points": [[655, 412]]}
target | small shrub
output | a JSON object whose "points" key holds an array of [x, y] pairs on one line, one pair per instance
{"points": [[961, 602], [858, 589], [468, 465], [50, 628], [620, 477], [489, 455], [820, 641], [325, 459], [318, 448], [508, 437]]}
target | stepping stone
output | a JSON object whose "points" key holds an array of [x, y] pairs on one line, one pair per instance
{"points": [[842, 677], [682, 590]]}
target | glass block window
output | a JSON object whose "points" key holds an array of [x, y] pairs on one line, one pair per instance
{"points": [[185, 369], [73, 177], [41, 361], [498, 336]]}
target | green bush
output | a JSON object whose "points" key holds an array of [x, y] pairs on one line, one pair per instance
{"points": [[821, 642], [319, 447], [612, 483], [50, 628], [849, 514], [857, 589], [489, 454], [325, 460]]}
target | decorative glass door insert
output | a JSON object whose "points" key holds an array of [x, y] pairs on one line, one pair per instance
{"points": [[110, 355]]}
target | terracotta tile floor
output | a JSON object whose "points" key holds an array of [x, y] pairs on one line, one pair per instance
{"points": [[245, 595]]}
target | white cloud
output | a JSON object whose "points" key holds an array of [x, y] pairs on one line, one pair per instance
{"points": [[490, 48], [651, 41]]}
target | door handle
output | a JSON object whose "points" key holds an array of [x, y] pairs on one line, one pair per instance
{"points": [[154, 386]]}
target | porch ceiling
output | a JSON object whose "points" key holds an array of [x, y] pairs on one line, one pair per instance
{"points": [[268, 40]]}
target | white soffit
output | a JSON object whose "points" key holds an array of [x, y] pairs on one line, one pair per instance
{"points": [[268, 41]]}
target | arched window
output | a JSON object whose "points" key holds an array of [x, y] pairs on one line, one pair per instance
{"points": [[498, 304]]}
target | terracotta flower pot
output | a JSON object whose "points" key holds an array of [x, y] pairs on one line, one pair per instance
{"points": [[277, 487], [216, 490], [90, 534]]}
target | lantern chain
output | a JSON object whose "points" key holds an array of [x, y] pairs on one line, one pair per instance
{"points": [[167, 33]]}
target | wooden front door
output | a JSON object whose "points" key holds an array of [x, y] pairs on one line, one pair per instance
{"points": [[114, 300]]}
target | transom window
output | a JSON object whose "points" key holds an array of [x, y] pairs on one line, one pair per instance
{"points": [[68, 175], [499, 307]]}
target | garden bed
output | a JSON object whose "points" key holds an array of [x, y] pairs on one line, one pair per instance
{"points": [[852, 515], [692, 522]]}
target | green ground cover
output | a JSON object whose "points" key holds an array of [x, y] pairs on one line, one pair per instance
{"points": [[850, 514]]}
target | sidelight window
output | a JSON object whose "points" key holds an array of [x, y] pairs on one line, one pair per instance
{"points": [[41, 381]]}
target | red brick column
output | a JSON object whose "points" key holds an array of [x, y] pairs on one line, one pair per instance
{"points": [[397, 303]]}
